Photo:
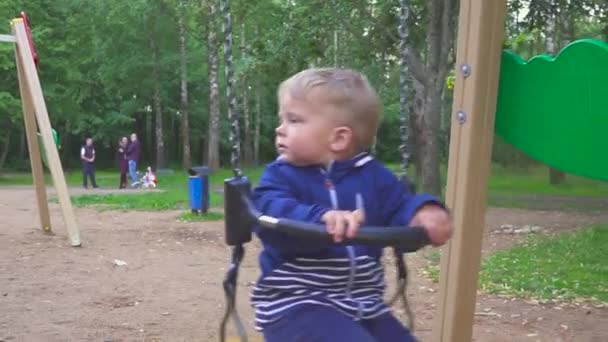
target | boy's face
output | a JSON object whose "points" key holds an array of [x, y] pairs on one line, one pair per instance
{"points": [[305, 133]]}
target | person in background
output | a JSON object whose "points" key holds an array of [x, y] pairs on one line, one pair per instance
{"points": [[87, 155], [133, 154], [123, 163]]}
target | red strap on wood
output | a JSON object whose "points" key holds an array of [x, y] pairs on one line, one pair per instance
{"points": [[29, 37]]}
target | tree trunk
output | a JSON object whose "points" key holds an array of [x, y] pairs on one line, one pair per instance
{"points": [[431, 79], [335, 48], [157, 103], [429, 143], [22, 145], [213, 144], [232, 103], [7, 145], [247, 141], [555, 176], [65, 147], [416, 128], [186, 155], [258, 122], [148, 146], [173, 138]]}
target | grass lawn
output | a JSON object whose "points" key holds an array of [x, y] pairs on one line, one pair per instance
{"points": [[502, 181], [567, 267], [173, 195], [535, 181], [531, 181], [210, 216]]}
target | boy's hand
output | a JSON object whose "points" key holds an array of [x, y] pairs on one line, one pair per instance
{"points": [[437, 222], [342, 222]]}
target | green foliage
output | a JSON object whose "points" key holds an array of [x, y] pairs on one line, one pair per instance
{"points": [[96, 63], [568, 267]]}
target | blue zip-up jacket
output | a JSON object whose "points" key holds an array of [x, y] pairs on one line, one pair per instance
{"points": [[349, 278]]}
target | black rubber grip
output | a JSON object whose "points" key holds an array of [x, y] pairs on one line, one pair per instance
{"points": [[407, 239]]}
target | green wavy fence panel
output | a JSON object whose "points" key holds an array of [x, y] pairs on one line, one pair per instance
{"points": [[555, 110]]}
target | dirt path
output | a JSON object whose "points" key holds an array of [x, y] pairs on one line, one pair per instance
{"points": [[170, 287]]}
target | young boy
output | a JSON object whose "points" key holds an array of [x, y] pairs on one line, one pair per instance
{"points": [[331, 292]]}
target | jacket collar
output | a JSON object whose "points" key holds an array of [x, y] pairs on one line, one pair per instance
{"points": [[338, 168]]}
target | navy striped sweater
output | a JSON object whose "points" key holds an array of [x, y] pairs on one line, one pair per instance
{"points": [[348, 278]]}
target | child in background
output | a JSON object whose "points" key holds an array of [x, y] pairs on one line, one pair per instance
{"points": [[149, 179], [331, 292]]}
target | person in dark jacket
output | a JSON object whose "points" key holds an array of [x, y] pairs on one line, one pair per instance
{"points": [[133, 154], [314, 291], [87, 155], [123, 163]]}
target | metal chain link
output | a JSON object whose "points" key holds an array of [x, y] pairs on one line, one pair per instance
{"points": [[404, 87]]}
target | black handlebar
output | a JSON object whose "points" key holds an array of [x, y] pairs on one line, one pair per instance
{"points": [[241, 217], [408, 239]]}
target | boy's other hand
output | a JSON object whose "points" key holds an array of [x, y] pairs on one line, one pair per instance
{"points": [[437, 222], [341, 223]]}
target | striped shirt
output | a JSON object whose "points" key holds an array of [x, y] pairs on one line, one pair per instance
{"points": [[354, 286]]}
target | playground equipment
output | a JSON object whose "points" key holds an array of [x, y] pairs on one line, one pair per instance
{"points": [[564, 128], [554, 109], [37, 122]]}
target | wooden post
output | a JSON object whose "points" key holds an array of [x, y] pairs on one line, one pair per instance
{"points": [[34, 150], [480, 39], [30, 83]]}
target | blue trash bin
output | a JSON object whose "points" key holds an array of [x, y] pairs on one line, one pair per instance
{"points": [[198, 189]]}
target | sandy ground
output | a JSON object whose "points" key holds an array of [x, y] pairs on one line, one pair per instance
{"points": [[170, 288]]}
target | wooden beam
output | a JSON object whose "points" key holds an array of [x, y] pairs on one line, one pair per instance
{"points": [[5, 38], [34, 91], [480, 39], [31, 128]]}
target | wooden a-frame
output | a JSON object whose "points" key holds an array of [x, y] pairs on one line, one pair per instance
{"points": [[479, 46], [36, 116]]}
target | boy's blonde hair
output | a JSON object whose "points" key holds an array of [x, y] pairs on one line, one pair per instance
{"points": [[354, 100]]}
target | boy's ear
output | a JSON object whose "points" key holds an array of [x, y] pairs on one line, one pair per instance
{"points": [[341, 139]]}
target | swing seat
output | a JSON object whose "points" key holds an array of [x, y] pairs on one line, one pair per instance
{"points": [[242, 218]]}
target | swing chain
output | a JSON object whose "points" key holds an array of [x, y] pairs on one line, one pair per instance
{"points": [[403, 149], [404, 87], [230, 286], [401, 292]]}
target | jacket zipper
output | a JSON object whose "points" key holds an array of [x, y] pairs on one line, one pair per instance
{"points": [[351, 251]]}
